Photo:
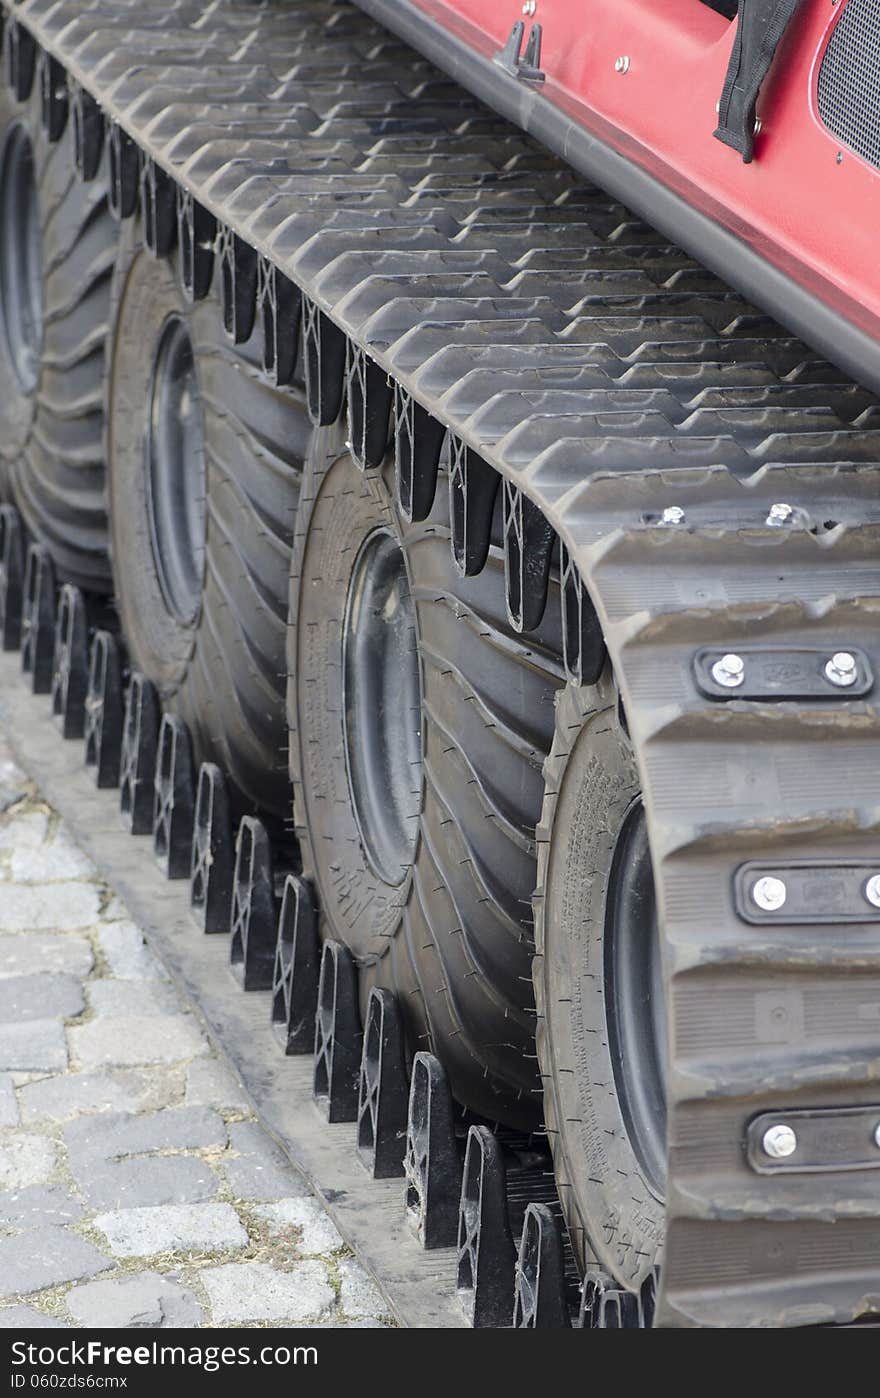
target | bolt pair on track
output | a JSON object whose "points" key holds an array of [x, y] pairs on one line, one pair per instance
{"points": [[438, 496]]}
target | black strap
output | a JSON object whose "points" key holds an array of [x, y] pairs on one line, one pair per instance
{"points": [[759, 29]]}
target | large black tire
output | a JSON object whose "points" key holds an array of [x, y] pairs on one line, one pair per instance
{"points": [[453, 936], [222, 667], [51, 446], [602, 1065]]}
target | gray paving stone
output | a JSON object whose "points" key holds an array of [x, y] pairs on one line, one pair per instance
{"points": [[128, 955], [146, 1180], [26, 1160], [8, 1104], [46, 1257], [28, 1318], [243, 1291], [38, 1206], [9, 768], [262, 1170], [349, 1325], [96, 1144], [10, 795], [72, 1094], [34, 1046], [135, 1039], [51, 952], [174, 1228], [59, 906], [142, 1099], [359, 1296], [146, 1301], [210, 1083], [40, 997], [250, 1178], [112, 997], [117, 1134], [317, 1232], [250, 1138], [60, 859], [26, 830]]}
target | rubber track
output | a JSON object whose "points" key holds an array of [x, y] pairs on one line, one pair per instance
{"points": [[608, 377]]}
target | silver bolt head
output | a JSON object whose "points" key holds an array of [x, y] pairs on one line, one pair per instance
{"points": [[779, 514], [769, 893], [673, 514], [842, 669], [621, 65], [729, 671], [529, 7], [872, 890], [779, 1142], [877, 1134]]}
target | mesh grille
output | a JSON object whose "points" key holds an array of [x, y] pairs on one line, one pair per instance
{"points": [[849, 79]]}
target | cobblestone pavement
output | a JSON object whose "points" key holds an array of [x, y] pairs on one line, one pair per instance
{"points": [[137, 1187]]}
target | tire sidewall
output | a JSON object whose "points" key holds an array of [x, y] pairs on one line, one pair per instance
{"points": [[451, 941], [592, 781], [146, 295], [18, 407], [52, 449], [224, 673], [340, 507]]}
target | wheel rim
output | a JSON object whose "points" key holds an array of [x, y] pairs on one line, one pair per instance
{"points": [[382, 706], [21, 290], [176, 472], [634, 998]]}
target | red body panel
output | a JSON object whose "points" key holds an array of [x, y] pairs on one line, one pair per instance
{"points": [[806, 204]]}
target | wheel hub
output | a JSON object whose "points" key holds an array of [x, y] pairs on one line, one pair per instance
{"points": [[176, 472], [382, 702], [21, 292], [634, 998]]}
